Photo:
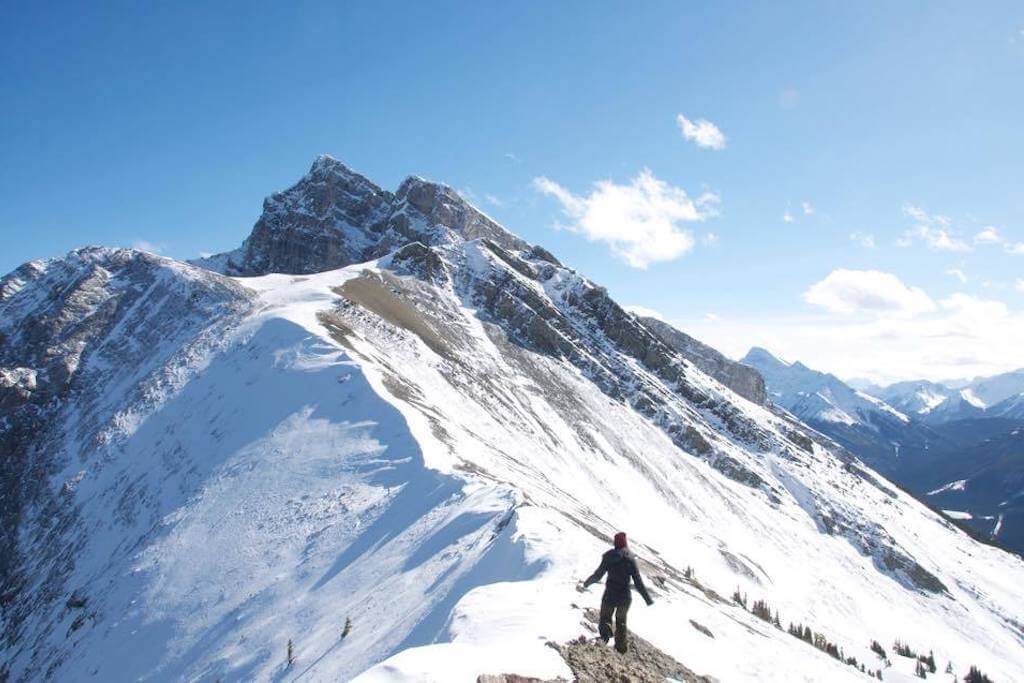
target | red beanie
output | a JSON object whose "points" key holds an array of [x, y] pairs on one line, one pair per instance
{"points": [[620, 539]]}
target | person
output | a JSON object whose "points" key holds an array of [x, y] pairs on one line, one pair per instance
{"points": [[620, 565]]}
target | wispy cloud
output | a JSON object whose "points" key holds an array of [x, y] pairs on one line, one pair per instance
{"points": [[849, 292], [931, 229], [808, 209], [988, 235], [864, 239], [641, 221], [493, 200], [711, 239], [958, 274], [512, 157], [701, 132], [151, 247], [1019, 285], [991, 236], [787, 217]]}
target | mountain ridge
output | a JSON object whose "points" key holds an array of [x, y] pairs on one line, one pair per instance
{"points": [[437, 442]]}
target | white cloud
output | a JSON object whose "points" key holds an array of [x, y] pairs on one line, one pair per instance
{"points": [[971, 307], [641, 221], [988, 236], [151, 247], [644, 312], [787, 217], [808, 209], [1019, 284], [512, 157], [964, 337], [711, 239], [848, 292], [493, 200], [958, 274], [1014, 247], [864, 239], [932, 230], [701, 132]]}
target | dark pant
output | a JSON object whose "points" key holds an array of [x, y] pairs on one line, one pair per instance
{"points": [[604, 625]]}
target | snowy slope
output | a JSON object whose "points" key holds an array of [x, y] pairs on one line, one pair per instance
{"points": [[436, 443]]}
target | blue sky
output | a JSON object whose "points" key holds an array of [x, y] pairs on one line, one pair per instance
{"points": [[897, 126]]}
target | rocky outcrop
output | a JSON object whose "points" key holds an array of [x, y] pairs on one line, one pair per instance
{"points": [[743, 379], [593, 662], [67, 323], [334, 217]]}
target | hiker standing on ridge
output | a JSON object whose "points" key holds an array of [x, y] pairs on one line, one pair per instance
{"points": [[620, 565]]}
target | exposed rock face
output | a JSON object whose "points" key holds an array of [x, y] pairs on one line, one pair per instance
{"points": [[68, 325], [334, 217], [592, 662], [743, 379]]}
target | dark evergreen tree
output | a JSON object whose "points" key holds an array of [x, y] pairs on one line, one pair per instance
{"points": [[903, 650], [762, 611], [975, 676]]}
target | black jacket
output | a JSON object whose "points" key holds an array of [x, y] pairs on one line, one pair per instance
{"points": [[621, 567]]}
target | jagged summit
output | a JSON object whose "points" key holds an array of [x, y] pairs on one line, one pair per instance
{"points": [[334, 217]]}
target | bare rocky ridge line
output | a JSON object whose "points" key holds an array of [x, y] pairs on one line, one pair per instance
{"points": [[593, 662]]}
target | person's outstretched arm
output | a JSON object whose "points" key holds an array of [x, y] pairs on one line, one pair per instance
{"points": [[596, 576], [639, 583]]}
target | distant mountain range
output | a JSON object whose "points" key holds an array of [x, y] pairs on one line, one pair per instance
{"points": [[960, 448], [934, 402]]}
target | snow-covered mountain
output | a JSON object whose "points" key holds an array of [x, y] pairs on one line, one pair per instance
{"points": [[818, 396], [936, 402], [916, 397], [940, 444], [879, 434], [386, 408]]}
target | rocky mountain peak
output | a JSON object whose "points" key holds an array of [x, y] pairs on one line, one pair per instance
{"points": [[442, 205], [758, 355], [334, 217]]}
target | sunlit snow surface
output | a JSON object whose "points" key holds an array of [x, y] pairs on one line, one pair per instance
{"points": [[447, 504]]}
